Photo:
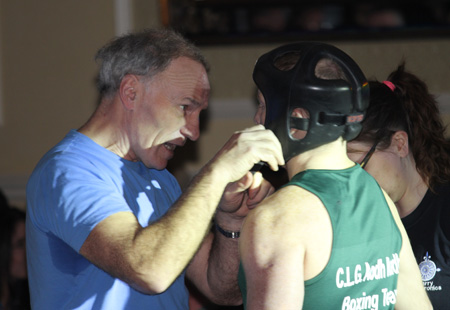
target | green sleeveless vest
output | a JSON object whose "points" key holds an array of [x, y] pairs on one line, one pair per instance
{"points": [[363, 268]]}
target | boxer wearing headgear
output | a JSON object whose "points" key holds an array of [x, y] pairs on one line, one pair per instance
{"points": [[335, 106], [330, 238]]}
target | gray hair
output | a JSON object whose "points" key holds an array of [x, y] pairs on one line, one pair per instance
{"points": [[146, 53]]}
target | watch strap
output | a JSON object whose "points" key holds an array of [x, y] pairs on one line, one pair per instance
{"points": [[228, 233]]}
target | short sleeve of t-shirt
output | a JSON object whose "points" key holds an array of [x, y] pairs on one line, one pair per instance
{"points": [[74, 188]]}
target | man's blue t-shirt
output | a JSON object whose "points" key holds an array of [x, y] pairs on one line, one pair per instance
{"points": [[75, 186]]}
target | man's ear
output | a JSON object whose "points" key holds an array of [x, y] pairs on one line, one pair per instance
{"points": [[128, 91], [400, 143]]}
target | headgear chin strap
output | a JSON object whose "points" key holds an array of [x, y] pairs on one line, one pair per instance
{"points": [[336, 107]]}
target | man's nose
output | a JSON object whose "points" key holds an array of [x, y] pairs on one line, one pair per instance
{"points": [[192, 128]]}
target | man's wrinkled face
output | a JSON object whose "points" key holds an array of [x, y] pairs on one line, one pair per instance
{"points": [[167, 112]]}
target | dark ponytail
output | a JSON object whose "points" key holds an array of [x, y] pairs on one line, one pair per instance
{"points": [[409, 107]]}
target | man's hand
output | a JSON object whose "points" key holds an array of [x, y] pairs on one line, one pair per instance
{"points": [[235, 159], [228, 174], [241, 196], [249, 190], [258, 190], [244, 149]]}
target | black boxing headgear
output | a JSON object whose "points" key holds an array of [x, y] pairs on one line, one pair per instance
{"points": [[335, 106]]}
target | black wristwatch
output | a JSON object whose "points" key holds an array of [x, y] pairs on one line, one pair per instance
{"points": [[227, 233]]}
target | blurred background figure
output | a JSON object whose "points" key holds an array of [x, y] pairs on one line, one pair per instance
{"points": [[273, 19], [14, 293], [378, 16], [319, 18]]}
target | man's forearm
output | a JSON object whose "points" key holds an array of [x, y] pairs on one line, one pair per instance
{"points": [[214, 269], [167, 246], [223, 269]]}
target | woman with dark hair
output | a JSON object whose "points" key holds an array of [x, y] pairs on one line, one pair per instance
{"points": [[14, 293], [402, 145]]}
